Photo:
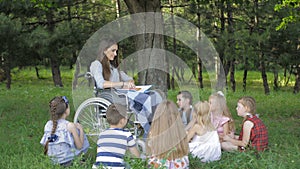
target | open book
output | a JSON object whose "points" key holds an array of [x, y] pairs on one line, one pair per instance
{"points": [[141, 89]]}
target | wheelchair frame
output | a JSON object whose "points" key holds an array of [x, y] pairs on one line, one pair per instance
{"points": [[91, 114]]}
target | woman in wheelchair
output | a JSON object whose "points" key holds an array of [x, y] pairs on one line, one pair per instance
{"points": [[104, 68], [108, 77]]}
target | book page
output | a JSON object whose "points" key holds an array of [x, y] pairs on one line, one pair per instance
{"points": [[140, 88]]}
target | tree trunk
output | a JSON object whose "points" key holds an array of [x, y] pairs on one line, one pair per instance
{"points": [[264, 75], [290, 73], [245, 74], [297, 83], [156, 76], [232, 79], [56, 72], [37, 72], [220, 73], [53, 59], [200, 77], [7, 74], [174, 39], [276, 87], [231, 42], [199, 63]]}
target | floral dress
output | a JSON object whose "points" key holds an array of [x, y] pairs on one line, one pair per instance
{"points": [[178, 163]]}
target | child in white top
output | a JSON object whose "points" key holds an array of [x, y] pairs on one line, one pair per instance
{"points": [[63, 140], [204, 138]]}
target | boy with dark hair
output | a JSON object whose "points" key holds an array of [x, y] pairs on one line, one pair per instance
{"points": [[184, 102], [114, 141]]}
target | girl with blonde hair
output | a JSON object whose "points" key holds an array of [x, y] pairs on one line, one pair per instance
{"points": [[221, 117], [204, 138], [167, 145]]}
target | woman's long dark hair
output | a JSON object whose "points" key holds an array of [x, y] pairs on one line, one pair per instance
{"points": [[104, 45]]}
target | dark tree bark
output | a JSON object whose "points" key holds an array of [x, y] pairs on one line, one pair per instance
{"points": [[264, 75], [199, 62], [220, 85], [231, 44], [174, 41], [245, 75], [200, 77], [55, 64], [275, 72], [156, 77], [56, 72], [297, 83], [232, 79], [37, 72], [7, 74]]}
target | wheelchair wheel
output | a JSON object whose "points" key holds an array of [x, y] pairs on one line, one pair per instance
{"points": [[91, 114]]}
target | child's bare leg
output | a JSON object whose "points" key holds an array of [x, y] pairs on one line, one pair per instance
{"points": [[227, 146]]}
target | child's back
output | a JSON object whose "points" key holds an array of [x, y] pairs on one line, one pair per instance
{"points": [[63, 140], [63, 148], [112, 145], [204, 138], [114, 141]]}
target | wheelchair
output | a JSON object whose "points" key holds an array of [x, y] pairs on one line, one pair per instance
{"points": [[91, 114]]}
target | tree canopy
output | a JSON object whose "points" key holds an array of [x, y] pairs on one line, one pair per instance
{"points": [[247, 34]]}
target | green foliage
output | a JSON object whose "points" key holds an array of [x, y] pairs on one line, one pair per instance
{"points": [[292, 6]]}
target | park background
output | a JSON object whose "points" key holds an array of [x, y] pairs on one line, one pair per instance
{"points": [[257, 42]]}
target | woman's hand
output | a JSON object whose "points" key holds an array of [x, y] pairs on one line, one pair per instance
{"points": [[129, 85]]}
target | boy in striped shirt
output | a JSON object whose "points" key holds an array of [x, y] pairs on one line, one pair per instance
{"points": [[114, 141]]}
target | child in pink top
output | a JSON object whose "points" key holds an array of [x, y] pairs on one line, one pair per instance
{"points": [[221, 117]]}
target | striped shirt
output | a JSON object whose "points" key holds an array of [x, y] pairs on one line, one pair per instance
{"points": [[111, 147]]}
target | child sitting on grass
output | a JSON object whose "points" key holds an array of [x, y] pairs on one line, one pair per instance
{"points": [[63, 140], [204, 137], [114, 141], [167, 144], [254, 133], [221, 117]]}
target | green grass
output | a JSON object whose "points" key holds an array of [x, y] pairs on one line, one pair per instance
{"points": [[24, 112]]}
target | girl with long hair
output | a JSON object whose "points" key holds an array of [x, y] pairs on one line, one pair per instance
{"points": [[167, 142], [204, 138], [63, 140], [221, 117]]}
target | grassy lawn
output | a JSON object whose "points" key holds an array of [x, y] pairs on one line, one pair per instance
{"points": [[24, 112]]}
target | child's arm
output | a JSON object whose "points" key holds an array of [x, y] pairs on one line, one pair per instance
{"points": [[134, 151], [196, 129], [190, 125], [78, 137], [226, 128], [247, 126]]}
